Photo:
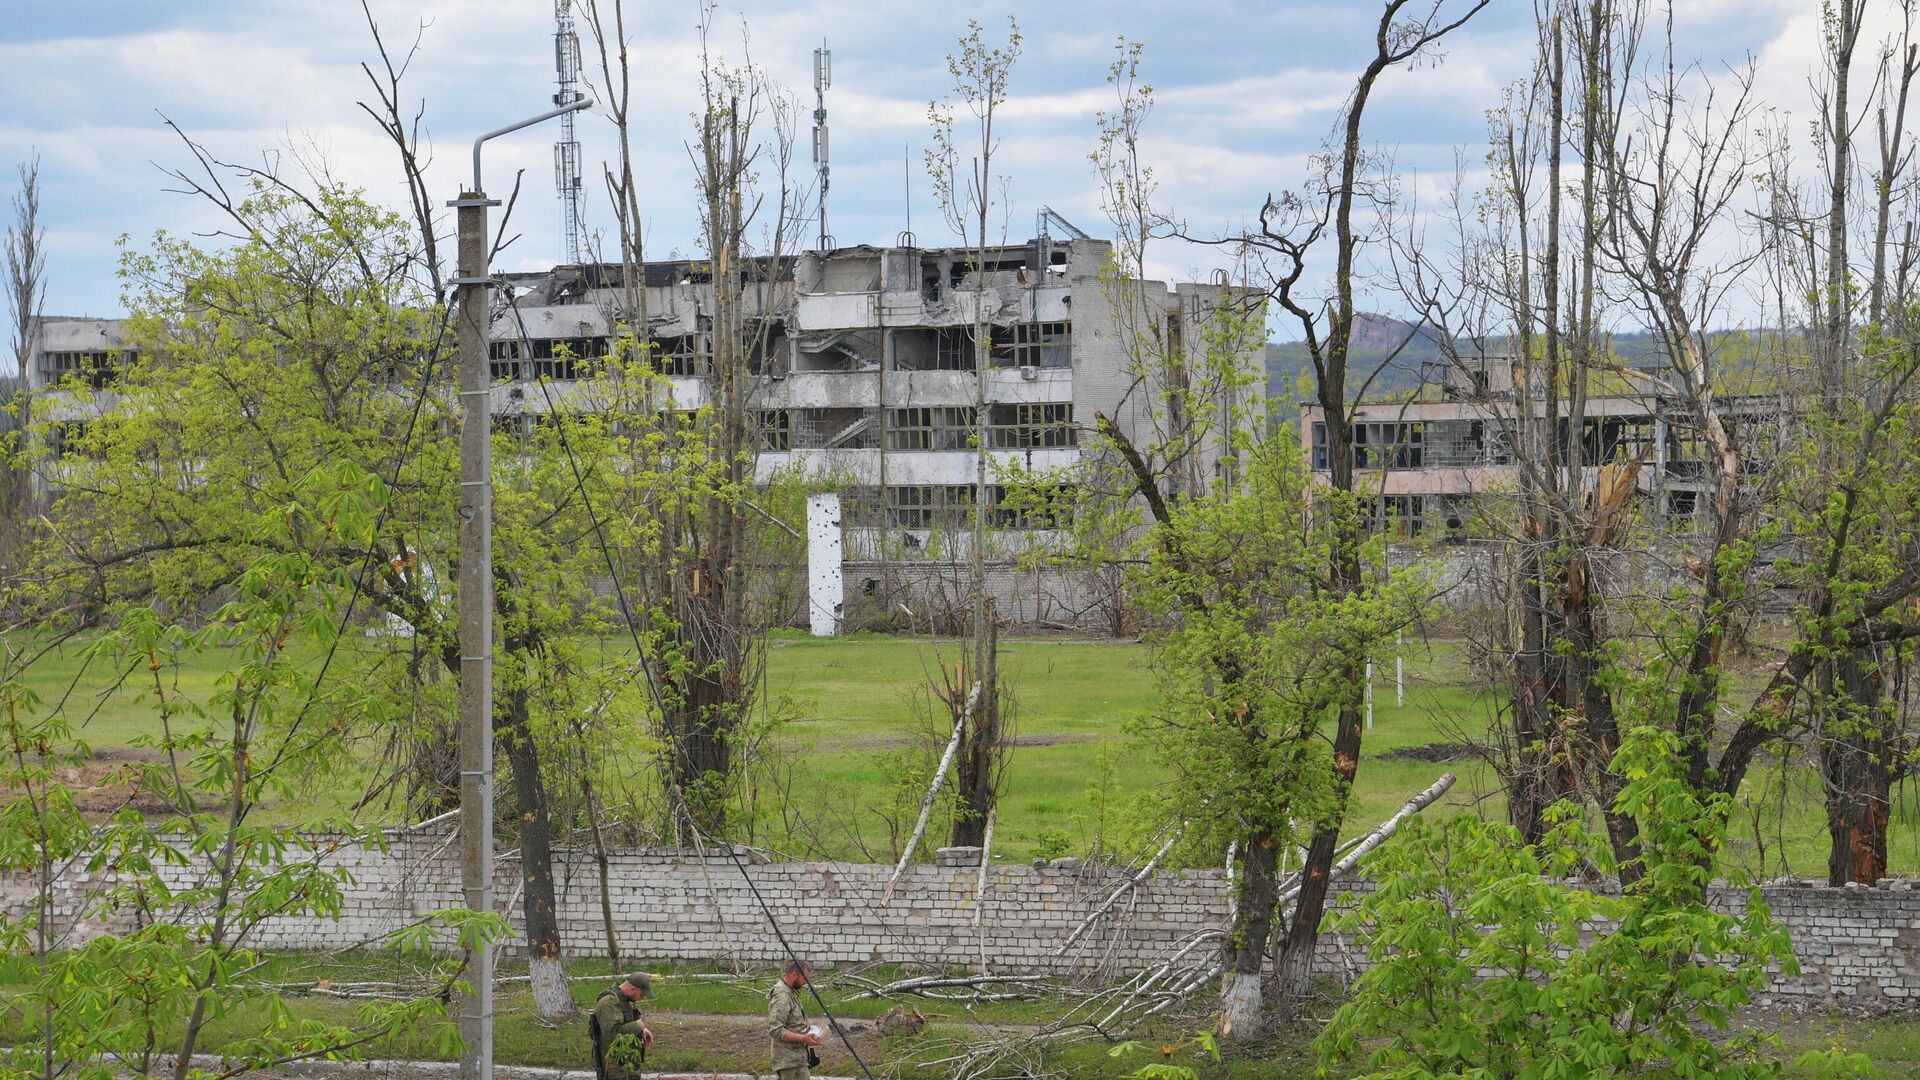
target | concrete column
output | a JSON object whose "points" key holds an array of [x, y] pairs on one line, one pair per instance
{"points": [[825, 591], [476, 627]]}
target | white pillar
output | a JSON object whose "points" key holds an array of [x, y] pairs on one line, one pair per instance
{"points": [[1369, 695], [824, 587]]}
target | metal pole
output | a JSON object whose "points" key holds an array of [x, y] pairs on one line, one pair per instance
{"points": [[476, 627]]}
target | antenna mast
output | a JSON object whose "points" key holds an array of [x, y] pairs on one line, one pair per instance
{"points": [[822, 78], [566, 152]]}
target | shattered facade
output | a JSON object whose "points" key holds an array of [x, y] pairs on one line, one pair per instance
{"points": [[862, 373], [1427, 463]]}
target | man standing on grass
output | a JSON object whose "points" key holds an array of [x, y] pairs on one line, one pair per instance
{"points": [[793, 1040], [614, 1015]]}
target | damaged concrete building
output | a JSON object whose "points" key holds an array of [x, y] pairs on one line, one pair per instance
{"points": [[863, 377], [1432, 462]]}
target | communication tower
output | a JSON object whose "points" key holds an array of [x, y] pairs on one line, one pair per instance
{"points": [[822, 78], [566, 152]]}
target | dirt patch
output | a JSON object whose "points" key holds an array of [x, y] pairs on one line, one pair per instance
{"points": [[101, 788], [114, 754], [1436, 752]]}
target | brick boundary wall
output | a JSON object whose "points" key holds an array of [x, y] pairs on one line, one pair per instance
{"points": [[1858, 948]]}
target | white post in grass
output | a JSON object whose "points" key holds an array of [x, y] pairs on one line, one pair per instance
{"points": [[1369, 695], [1399, 671]]}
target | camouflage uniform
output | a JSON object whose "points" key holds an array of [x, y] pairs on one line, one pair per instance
{"points": [[616, 1016], [785, 1014]]}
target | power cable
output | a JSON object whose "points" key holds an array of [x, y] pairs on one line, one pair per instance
{"points": [[586, 502], [380, 519]]}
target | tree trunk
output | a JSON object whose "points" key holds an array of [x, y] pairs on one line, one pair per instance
{"points": [[976, 784], [1303, 933], [1857, 763], [1247, 939], [552, 997]]}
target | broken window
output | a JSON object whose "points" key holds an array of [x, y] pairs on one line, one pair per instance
{"points": [[1397, 515], [930, 506], [1388, 446], [1030, 425], [1035, 344], [930, 428], [503, 360], [65, 438], [1048, 506], [96, 367], [773, 428], [944, 348], [561, 359], [678, 356]]}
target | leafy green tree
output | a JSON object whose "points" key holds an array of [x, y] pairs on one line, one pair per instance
{"points": [[1252, 661], [199, 886], [1486, 961], [309, 343]]}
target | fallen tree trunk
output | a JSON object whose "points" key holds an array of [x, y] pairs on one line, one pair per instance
{"points": [[933, 793]]}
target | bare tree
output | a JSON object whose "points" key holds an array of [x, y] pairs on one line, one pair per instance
{"points": [[26, 296], [1293, 230], [966, 194]]}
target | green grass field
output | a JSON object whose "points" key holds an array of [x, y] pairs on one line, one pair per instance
{"points": [[857, 740], [708, 1020]]}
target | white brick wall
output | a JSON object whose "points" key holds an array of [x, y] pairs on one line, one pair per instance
{"points": [[1856, 947]]}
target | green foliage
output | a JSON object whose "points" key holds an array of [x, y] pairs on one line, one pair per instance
{"points": [[626, 1052], [197, 885], [1487, 961], [1256, 649]]}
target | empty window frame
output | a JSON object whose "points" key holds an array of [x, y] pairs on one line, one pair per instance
{"points": [[1039, 507], [1377, 446], [65, 438], [1030, 425], [677, 355], [1032, 344], [773, 428], [929, 506], [1388, 446], [1398, 515], [97, 368], [930, 428], [560, 359]]}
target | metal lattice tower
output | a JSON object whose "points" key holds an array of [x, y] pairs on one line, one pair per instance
{"points": [[566, 152], [822, 78]]}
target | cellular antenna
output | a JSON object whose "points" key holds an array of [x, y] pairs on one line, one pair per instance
{"points": [[822, 78], [566, 151]]}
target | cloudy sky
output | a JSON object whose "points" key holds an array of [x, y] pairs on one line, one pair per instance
{"points": [[1247, 91]]}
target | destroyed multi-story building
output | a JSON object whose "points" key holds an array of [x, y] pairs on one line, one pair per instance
{"points": [[863, 376], [1426, 464]]}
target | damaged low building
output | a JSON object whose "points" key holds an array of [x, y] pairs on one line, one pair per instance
{"points": [[862, 375], [1435, 464]]}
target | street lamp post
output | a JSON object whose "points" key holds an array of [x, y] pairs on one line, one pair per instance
{"points": [[476, 600]]}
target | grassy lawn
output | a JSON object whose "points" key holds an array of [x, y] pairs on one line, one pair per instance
{"points": [[859, 738]]}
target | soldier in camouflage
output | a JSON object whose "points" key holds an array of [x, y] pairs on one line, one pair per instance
{"points": [[787, 1024], [614, 1015]]}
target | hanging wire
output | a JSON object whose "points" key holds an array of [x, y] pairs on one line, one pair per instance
{"points": [[653, 687]]}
